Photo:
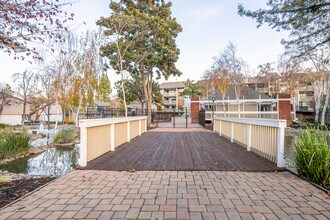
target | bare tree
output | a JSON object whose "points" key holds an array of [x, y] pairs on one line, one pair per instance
{"points": [[208, 86], [292, 74], [47, 78], [222, 81], [236, 67], [26, 87], [27, 23], [320, 59], [266, 75], [88, 65], [5, 96], [315, 65]]}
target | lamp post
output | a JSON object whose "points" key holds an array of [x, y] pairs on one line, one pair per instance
{"points": [[213, 100]]}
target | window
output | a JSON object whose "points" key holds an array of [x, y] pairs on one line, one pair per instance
{"points": [[306, 93], [261, 85]]}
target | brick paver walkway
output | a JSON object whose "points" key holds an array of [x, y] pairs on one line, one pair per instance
{"points": [[173, 195]]}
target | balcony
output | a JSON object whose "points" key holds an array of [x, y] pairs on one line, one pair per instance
{"points": [[167, 102], [169, 94]]}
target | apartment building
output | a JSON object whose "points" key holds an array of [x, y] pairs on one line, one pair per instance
{"points": [[172, 98], [272, 84]]}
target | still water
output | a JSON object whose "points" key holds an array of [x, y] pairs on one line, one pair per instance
{"points": [[52, 162]]}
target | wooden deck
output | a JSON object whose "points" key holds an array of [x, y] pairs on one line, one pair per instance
{"points": [[181, 150]]}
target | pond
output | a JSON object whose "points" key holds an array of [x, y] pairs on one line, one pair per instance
{"points": [[52, 162], [289, 151]]}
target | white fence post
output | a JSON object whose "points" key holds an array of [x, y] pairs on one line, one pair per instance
{"points": [[231, 132], [220, 127], [280, 145], [249, 131], [128, 131], [83, 146], [261, 126], [112, 137]]}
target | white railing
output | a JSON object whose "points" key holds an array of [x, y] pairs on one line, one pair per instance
{"points": [[262, 136], [99, 136], [243, 114]]}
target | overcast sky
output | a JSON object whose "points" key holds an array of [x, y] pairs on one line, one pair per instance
{"points": [[208, 26]]}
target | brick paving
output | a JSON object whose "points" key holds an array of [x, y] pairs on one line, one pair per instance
{"points": [[88, 194]]}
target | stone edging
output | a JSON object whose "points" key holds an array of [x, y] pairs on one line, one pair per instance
{"points": [[33, 191]]}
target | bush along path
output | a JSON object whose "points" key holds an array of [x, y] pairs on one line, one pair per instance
{"points": [[312, 157]]}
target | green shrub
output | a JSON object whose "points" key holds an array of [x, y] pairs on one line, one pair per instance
{"points": [[71, 123], [64, 137], [312, 157], [13, 144], [2, 125]]}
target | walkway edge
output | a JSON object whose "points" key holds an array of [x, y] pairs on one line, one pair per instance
{"points": [[33, 191]]}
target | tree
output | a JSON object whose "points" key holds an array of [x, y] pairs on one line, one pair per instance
{"points": [[104, 88], [266, 75], [191, 89], [123, 30], [25, 23], [314, 69], [134, 92], [64, 81], [150, 41], [47, 78], [235, 67], [5, 96], [87, 64], [307, 21], [26, 87], [222, 80], [319, 74]]}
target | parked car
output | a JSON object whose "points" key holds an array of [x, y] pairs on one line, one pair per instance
{"points": [[27, 122]]}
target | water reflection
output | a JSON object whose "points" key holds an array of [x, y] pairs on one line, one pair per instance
{"points": [[54, 161]]}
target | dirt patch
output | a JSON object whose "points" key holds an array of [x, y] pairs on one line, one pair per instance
{"points": [[10, 191]]}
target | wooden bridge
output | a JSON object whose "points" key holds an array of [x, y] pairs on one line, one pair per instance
{"points": [[124, 145]]}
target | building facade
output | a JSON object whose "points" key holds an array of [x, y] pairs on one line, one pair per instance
{"points": [[12, 114], [272, 84], [172, 98]]}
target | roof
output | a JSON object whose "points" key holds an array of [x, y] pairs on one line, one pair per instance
{"points": [[97, 103], [247, 93], [172, 85]]}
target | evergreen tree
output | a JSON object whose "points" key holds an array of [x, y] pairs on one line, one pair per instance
{"points": [[145, 33], [104, 88]]}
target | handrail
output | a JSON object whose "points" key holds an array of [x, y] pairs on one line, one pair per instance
{"points": [[256, 121], [105, 121], [99, 136], [262, 136]]}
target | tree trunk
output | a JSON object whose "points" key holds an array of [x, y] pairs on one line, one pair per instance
{"points": [[124, 95], [318, 88], [48, 114], [223, 105], [63, 114], [326, 102], [24, 110], [238, 108], [77, 114], [149, 94]]}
